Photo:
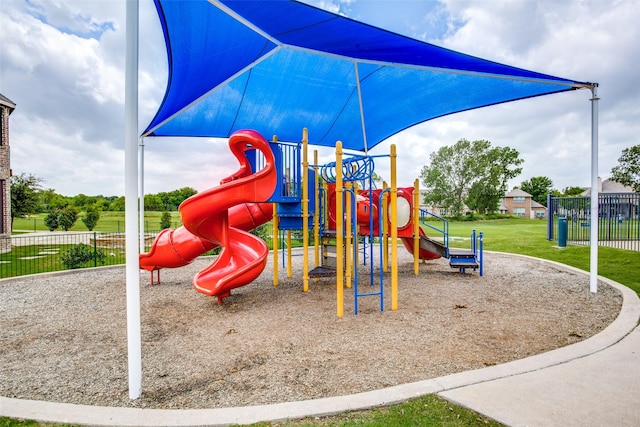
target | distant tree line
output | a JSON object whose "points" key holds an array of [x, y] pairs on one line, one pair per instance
{"points": [[28, 197], [164, 201], [467, 175]]}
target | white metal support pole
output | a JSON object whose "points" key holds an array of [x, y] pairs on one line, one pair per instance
{"points": [[141, 198], [593, 268], [364, 128], [131, 201]]}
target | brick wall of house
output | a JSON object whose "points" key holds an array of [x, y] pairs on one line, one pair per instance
{"points": [[510, 204], [5, 174]]}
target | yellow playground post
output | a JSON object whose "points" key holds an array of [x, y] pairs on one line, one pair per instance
{"points": [[394, 231], [385, 229], [339, 231]]}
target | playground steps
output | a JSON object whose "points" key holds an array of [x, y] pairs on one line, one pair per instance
{"points": [[462, 259], [329, 254], [458, 258], [322, 272], [290, 216]]}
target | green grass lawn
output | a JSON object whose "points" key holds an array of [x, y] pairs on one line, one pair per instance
{"points": [[520, 236], [528, 237], [37, 258]]}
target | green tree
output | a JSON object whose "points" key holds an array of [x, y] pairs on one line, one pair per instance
{"points": [[469, 173], [167, 203], [539, 187], [67, 217], [484, 198], [102, 204], [165, 220], [572, 191], [82, 201], [49, 200], [51, 220], [451, 174], [152, 202], [80, 255], [496, 167], [173, 199], [91, 217], [117, 205], [24, 195], [627, 172], [184, 193]]}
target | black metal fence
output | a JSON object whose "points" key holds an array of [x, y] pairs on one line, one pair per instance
{"points": [[53, 251], [618, 219], [45, 252]]}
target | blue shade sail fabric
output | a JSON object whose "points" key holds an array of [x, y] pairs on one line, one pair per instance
{"points": [[280, 66]]}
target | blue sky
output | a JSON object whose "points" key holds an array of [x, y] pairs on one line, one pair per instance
{"points": [[62, 63]]}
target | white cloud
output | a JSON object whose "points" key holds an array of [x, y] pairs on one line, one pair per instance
{"points": [[588, 41], [63, 64]]}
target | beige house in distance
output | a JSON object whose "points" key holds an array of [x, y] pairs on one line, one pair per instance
{"points": [[608, 187], [518, 202], [6, 108]]}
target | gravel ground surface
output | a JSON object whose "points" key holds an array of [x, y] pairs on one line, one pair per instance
{"points": [[63, 338]]}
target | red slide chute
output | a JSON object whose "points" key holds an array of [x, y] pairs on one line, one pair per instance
{"points": [[222, 216]]}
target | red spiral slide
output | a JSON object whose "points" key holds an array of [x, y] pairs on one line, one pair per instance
{"points": [[221, 216]]}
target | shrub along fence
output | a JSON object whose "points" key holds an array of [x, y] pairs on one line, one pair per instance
{"points": [[618, 220]]}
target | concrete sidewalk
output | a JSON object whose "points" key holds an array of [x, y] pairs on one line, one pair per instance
{"points": [[595, 382], [601, 389]]}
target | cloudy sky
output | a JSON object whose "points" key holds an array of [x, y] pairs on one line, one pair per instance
{"points": [[62, 63]]}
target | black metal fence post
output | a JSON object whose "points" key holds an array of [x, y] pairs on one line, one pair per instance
{"points": [[95, 249], [550, 216]]}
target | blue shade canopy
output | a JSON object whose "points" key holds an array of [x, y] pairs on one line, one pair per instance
{"points": [[280, 66]]}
